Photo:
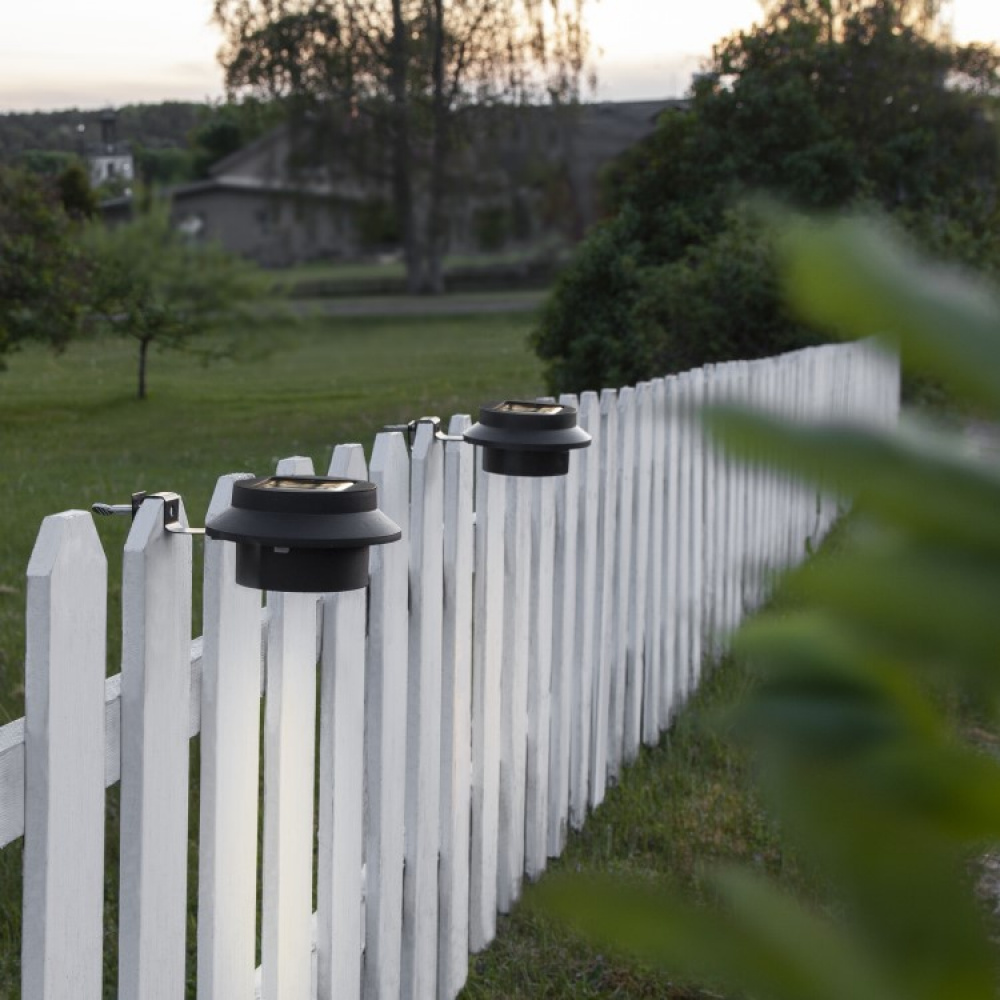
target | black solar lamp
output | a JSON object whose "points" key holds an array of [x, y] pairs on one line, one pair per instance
{"points": [[521, 438], [303, 534]]}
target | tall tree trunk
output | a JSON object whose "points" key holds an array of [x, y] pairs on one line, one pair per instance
{"points": [[402, 177], [437, 220], [143, 352]]}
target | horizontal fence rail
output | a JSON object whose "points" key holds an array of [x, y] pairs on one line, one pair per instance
{"points": [[429, 742]]}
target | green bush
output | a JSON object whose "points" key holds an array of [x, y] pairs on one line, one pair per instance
{"points": [[823, 106]]}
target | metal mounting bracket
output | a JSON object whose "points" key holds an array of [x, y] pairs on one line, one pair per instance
{"points": [[171, 511]]}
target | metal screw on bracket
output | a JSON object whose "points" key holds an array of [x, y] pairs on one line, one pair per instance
{"points": [[171, 511]]}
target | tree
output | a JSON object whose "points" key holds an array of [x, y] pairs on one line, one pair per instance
{"points": [[45, 277], [393, 78], [826, 105], [158, 287]]}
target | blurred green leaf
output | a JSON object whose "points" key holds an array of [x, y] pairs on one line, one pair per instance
{"points": [[915, 482], [851, 277], [759, 942]]}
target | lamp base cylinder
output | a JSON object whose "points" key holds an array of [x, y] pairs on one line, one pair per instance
{"points": [[525, 463], [301, 571]]}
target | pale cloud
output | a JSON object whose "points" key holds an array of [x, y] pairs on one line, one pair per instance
{"points": [[64, 53]]}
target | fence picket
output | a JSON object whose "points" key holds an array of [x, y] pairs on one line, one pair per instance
{"points": [[423, 755], [669, 692], [230, 772], [487, 660], [607, 444], [588, 463], [635, 666], [653, 675], [543, 530], [564, 650], [385, 725], [514, 691], [156, 684], [623, 579], [61, 945], [456, 713], [340, 802]]}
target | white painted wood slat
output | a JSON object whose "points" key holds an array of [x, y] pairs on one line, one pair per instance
{"points": [[385, 725], [62, 925], [156, 685], [565, 641], [340, 800], [230, 772], [623, 580], [607, 445], [637, 649], [423, 756], [514, 690], [487, 660], [456, 712], [289, 776], [543, 530], [653, 675], [588, 462]]}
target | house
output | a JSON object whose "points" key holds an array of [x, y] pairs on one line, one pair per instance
{"points": [[109, 159], [524, 175]]}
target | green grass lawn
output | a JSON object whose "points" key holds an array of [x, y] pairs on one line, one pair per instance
{"points": [[71, 431]]}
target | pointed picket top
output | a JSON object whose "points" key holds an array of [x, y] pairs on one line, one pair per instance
{"points": [[156, 685], [385, 711], [62, 926], [456, 710], [295, 465], [348, 462], [230, 722]]}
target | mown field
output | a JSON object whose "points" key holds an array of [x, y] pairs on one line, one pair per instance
{"points": [[71, 431]]}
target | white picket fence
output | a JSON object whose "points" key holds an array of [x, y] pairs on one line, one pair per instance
{"points": [[510, 656]]}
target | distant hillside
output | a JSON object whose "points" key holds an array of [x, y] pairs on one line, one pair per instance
{"points": [[153, 126]]}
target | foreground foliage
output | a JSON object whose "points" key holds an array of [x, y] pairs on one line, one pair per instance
{"points": [[827, 104], [859, 756]]}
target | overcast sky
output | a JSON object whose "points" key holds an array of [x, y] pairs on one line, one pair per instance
{"points": [[71, 53]]}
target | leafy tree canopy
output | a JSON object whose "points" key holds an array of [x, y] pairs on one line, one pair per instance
{"points": [[826, 105], [155, 285], [403, 71], [44, 273]]}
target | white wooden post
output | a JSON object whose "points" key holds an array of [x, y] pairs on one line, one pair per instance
{"points": [[423, 736], [518, 597], [230, 772], [671, 556], [623, 577], [637, 648], [564, 649], [487, 660], [607, 590], [289, 775], [156, 681], [385, 725], [684, 552], [61, 931], [340, 803], [651, 720], [697, 522], [456, 712], [543, 531], [588, 462]]}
